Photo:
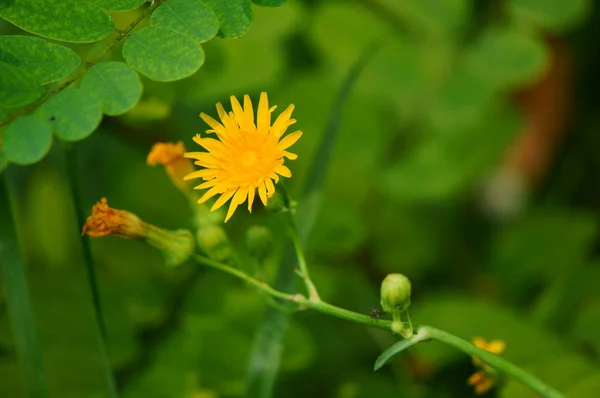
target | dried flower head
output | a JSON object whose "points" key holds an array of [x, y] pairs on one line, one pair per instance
{"points": [[170, 155], [247, 157], [484, 379], [108, 221]]}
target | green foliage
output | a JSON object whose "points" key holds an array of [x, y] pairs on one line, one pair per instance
{"points": [[27, 140], [68, 124], [65, 20], [17, 87], [117, 86], [118, 5], [163, 54], [191, 17], [550, 14], [269, 3], [235, 16], [46, 61]]}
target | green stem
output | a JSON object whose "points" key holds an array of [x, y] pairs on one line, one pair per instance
{"points": [[310, 286], [86, 66], [493, 360]]}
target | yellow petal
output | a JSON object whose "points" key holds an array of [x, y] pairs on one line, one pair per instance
{"points": [[262, 192], [204, 159], [270, 187], [475, 378], [480, 342], [251, 193], [484, 386], [216, 126], [210, 193], [199, 174], [207, 184], [238, 199], [289, 140], [249, 111], [281, 123], [496, 346], [211, 145], [222, 199], [226, 119], [264, 116], [245, 120], [282, 170], [289, 155]]}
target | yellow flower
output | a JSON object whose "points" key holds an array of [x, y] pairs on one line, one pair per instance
{"points": [[247, 157], [484, 379]]}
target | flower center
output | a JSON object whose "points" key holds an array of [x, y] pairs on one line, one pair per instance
{"points": [[249, 159]]}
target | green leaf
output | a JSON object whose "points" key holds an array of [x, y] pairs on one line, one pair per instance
{"points": [[235, 16], [117, 86], [44, 60], [27, 140], [507, 57], [118, 5], [269, 3], [17, 86], [14, 285], [73, 114], [550, 14], [3, 159], [163, 54], [73, 21], [191, 17]]}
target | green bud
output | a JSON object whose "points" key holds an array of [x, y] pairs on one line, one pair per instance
{"points": [[212, 240], [259, 240], [176, 246], [395, 293]]}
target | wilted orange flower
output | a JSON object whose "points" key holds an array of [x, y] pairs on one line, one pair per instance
{"points": [[247, 157], [108, 221], [170, 155], [484, 379]]}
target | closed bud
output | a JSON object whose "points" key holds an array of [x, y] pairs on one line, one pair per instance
{"points": [[213, 241], [395, 293], [259, 240]]}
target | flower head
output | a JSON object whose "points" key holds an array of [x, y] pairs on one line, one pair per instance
{"points": [[170, 155], [484, 379], [108, 221], [247, 157]]}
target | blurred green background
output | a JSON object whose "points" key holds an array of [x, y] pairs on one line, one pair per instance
{"points": [[467, 159]]}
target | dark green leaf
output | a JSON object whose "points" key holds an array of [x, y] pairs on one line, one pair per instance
{"points": [[191, 17], [235, 16], [507, 57], [163, 54], [397, 348], [73, 114], [46, 61], [27, 140], [74, 21], [269, 3], [17, 87], [3, 159], [115, 85], [14, 285], [550, 14], [119, 5]]}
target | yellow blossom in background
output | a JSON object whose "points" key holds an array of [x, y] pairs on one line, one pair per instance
{"points": [[108, 221], [170, 155], [247, 157], [484, 379]]}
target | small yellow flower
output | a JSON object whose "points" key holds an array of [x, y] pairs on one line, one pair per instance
{"points": [[170, 155], [108, 221], [247, 157], [484, 379]]}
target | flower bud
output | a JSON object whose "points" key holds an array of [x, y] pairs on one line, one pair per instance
{"points": [[105, 221], [259, 240], [395, 293], [276, 203], [171, 157], [176, 246], [213, 241]]}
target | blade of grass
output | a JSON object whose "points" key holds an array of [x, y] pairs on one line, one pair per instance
{"points": [[268, 343], [72, 166], [16, 291]]}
